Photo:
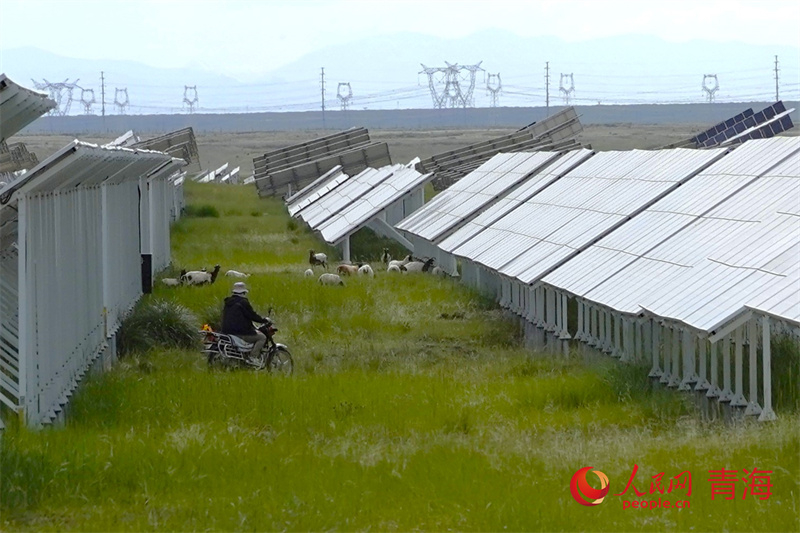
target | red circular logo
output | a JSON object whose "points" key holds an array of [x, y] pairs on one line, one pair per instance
{"points": [[583, 493]]}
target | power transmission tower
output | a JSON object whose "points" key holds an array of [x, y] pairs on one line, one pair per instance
{"points": [[87, 99], [710, 90], [322, 90], [494, 85], [567, 90], [190, 97], [344, 96], [102, 94], [547, 87], [57, 92], [777, 96], [445, 84], [121, 103]]}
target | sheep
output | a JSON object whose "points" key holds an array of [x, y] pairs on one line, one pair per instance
{"points": [[171, 282], [330, 279], [366, 270], [386, 257], [347, 270], [308, 273], [419, 266], [394, 268], [438, 271], [317, 259], [402, 262], [199, 277], [236, 274]]}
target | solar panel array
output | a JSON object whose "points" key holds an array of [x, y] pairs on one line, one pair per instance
{"points": [[342, 204], [470, 195], [556, 132], [352, 161], [294, 167], [19, 107], [729, 214], [535, 183], [577, 209], [180, 143], [14, 157], [768, 122]]}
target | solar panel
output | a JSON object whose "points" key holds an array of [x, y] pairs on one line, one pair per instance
{"points": [[401, 182], [581, 207], [341, 197], [466, 198], [352, 161], [534, 184], [556, 132], [713, 244], [733, 130], [180, 143], [19, 107]]}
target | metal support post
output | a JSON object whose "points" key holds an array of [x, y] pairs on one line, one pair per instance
{"points": [[753, 408], [702, 382], [738, 399], [727, 394], [675, 377], [766, 360], [656, 372], [565, 336], [689, 375]]}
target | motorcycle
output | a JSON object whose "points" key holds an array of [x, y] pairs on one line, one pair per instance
{"points": [[275, 357]]}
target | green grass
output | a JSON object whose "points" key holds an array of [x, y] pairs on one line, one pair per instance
{"points": [[413, 406]]}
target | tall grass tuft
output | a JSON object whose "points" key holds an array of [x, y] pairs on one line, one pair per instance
{"points": [[158, 324], [201, 211]]}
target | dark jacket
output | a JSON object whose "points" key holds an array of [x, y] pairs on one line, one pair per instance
{"points": [[238, 316]]}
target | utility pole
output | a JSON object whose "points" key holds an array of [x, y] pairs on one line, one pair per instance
{"points": [[103, 93], [322, 85], [777, 98], [547, 87]]}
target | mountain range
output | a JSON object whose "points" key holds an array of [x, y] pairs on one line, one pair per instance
{"points": [[408, 70]]}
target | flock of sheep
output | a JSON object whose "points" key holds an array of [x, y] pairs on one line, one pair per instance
{"points": [[407, 264], [200, 277]]}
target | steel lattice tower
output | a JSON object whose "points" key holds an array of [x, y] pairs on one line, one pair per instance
{"points": [[710, 90], [494, 88], [452, 86], [567, 90], [122, 104], [344, 93], [87, 99], [190, 102]]}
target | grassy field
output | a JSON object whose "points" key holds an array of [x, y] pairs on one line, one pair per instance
{"points": [[414, 406]]}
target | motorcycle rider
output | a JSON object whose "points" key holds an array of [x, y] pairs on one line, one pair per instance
{"points": [[238, 317]]}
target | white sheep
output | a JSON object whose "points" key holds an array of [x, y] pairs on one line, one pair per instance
{"points": [[171, 282], [347, 270], [366, 270], [236, 274], [419, 266], [438, 271], [400, 262], [308, 273], [386, 256], [200, 277], [393, 268], [330, 279], [317, 259]]}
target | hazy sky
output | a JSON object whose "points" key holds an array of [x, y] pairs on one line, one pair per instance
{"points": [[209, 33]]}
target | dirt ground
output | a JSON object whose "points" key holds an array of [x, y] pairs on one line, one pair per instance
{"points": [[239, 149]]}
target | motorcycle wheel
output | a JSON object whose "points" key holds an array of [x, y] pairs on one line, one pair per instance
{"points": [[280, 361]]}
